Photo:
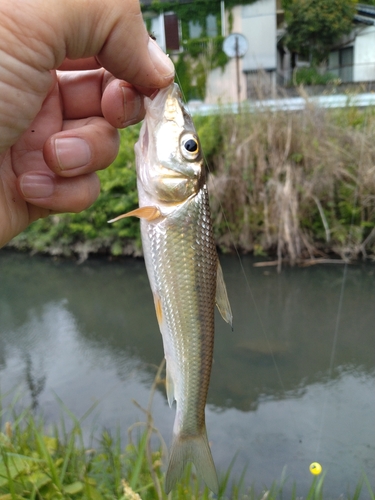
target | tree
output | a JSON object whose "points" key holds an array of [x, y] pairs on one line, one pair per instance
{"points": [[315, 26]]}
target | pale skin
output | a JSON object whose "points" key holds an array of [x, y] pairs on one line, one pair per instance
{"points": [[71, 73]]}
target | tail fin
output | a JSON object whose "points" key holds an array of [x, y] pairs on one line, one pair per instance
{"points": [[194, 449]]}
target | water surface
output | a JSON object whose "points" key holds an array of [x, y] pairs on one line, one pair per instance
{"points": [[292, 384]]}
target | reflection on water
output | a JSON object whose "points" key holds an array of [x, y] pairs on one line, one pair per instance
{"points": [[88, 333]]}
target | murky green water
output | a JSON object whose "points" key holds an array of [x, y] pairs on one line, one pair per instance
{"points": [[285, 390]]}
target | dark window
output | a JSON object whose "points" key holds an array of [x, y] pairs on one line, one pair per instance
{"points": [[172, 40], [341, 63]]}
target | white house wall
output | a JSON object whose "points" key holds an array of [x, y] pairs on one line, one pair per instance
{"points": [[364, 55], [257, 22], [157, 30], [259, 27], [222, 85]]}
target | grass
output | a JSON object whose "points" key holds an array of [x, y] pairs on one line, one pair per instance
{"points": [[38, 464], [35, 464], [295, 185]]}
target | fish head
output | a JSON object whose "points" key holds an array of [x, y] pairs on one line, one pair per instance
{"points": [[169, 157]]}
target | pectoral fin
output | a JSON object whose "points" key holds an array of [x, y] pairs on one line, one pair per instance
{"points": [[222, 300], [148, 213]]}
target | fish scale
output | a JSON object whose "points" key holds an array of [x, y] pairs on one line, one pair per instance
{"points": [[183, 244]]}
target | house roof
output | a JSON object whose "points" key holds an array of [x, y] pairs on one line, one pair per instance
{"points": [[365, 14], [147, 3]]}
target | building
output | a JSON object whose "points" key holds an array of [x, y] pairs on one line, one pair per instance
{"points": [[353, 60], [267, 62], [258, 68], [256, 21]]}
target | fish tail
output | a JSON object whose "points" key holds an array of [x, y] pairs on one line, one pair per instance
{"points": [[194, 449]]}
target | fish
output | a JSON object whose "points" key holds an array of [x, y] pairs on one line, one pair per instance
{"points": [[183, 270]]}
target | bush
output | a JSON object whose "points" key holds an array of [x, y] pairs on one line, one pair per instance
{"points": [[88, 232], [311, 76]]}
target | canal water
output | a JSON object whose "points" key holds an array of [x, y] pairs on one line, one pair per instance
{"points": [[293, 383]]}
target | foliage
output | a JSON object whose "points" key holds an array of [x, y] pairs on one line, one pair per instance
{"points": [[89, 231], [200, 56], [314, 26], [311, 76], [196, 10]]}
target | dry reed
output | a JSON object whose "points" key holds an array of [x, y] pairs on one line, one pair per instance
{"points": [[296, 184]]}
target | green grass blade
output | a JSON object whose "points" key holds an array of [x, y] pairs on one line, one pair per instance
{"points": [[358, 489], [369, 487], [42, 448], [134, 478]]}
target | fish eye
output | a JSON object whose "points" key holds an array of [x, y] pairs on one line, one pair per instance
{"points": [[189, 146]]}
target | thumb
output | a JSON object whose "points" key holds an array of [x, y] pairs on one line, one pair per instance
{"points": [[115, 33]]}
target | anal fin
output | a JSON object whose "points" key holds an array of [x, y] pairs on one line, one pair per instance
{"points": [[170, 387], [169, 380]]}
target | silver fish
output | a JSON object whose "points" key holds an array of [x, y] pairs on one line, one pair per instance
{"points": [[183, 269]]}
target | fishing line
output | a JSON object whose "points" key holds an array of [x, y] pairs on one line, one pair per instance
{"points": [[338, 315], [333, 353], [315, 466], [258, 315]]}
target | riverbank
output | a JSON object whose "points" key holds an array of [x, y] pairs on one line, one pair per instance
{"points": [[36, 463], [292, 186]]}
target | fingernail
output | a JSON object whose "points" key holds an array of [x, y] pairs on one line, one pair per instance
{"points": [[161, 61], [72, 152], [37, 186], [132, 106]]}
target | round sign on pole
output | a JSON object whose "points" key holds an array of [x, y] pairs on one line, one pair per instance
{"points": [[235, 45]]}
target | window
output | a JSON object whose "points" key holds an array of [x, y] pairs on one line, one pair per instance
{"points": [[172, 38], [341, 63], [195, 29], [211, 25]]}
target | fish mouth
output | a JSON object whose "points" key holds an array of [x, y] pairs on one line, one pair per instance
{"points": [[175, 91]]}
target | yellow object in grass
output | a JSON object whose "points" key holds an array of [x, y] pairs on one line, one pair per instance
{"points": [[315, 468]]}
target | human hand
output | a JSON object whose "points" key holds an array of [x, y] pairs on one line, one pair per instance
{"points": [[58, 127]]}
